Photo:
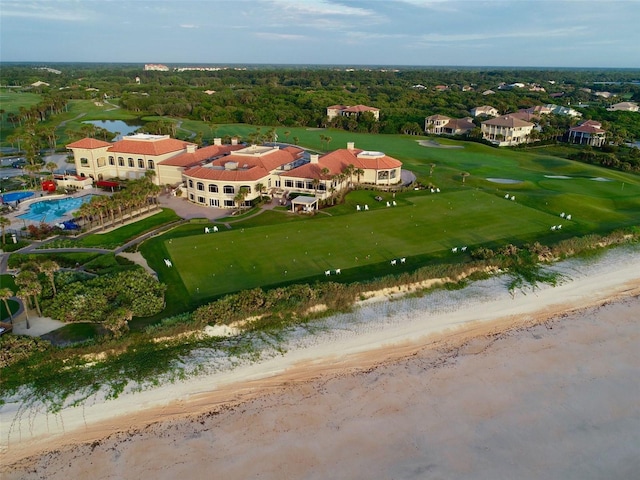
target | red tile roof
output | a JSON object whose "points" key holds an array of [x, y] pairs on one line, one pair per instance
{"points": [[338, 160], [143, 147], [587, 129], [240, 175], [361, 108], [89, 144], [507, 121], [249, 167], [199, 156]]}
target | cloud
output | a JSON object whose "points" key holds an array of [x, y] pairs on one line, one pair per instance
{"points": [[474, 37], [186, 25], [279, 36], [438, 5], [59, 11], [321, 7]]}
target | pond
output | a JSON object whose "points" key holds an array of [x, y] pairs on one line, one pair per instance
{"points": [[116, 126]]}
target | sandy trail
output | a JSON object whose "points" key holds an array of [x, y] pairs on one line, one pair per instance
{"points": [[467, 384]]}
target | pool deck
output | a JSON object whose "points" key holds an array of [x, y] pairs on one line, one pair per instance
{"points": [[18, 223]]}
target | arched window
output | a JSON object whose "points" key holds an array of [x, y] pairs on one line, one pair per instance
{"points": [[151, 164], [130, 162], [140, 163], [84, 161], [112, 161], [247, 188], [200, 186], [190, 183], [213, 188], [120, 162], [229, 189]]}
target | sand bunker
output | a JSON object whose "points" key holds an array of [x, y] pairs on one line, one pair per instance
{"points": [[434, 144], [504, 180], [558, 177], [601, 179]]}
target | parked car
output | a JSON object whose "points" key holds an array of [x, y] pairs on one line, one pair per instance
{"points": [[19, 163]]}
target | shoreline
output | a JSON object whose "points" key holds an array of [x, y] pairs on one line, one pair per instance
{"points": [[408, 329]]}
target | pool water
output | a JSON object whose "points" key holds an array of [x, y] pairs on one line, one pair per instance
{"points": [[15, 196], [50, 210]]}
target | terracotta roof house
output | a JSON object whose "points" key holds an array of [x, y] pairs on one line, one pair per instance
{"points": [[283, 171], [351, 111], [624, 107], [540, 109], [486, 110], [589, 132], [506, 130], [212, 176], [443, 125], [128, 158]]}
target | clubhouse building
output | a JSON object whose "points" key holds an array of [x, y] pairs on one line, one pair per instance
{"points": [[214, 176]]}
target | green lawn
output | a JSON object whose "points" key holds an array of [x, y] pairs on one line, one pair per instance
{"points": [[230, 260]]}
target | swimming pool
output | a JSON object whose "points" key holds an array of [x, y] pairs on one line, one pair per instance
{"points": [[50, 210], [15, 196]]}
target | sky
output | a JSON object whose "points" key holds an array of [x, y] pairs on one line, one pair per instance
{"points": [[519, 33]]}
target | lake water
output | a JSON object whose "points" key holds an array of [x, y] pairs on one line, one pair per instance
{"points": [[115, 126]]}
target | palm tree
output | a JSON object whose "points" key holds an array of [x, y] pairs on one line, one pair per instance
{"points": [[240, 197], [5, 295], [23, 295], [359, 172], [49, 268], [316, 183], [51, 166], [4, 223], [348, 170], [260, 188]]}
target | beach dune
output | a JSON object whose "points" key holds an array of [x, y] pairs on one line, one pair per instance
{"points": [[539, 384]]}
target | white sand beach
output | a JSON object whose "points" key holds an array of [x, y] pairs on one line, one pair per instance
{"points": [[475, 383]]}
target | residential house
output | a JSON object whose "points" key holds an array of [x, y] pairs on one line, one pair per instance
{"points": [[506, 130], [351, 111], [589, 132], [443, 125], [485, 110], [561, 110], [624, 107]]}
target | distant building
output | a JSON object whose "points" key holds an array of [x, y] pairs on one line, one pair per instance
{"points": [[561, 110], [506, 130], [351, 111], [485, 110], [155, 67], [624, 107], [604, 94], [443, 125], [589, 132]]}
